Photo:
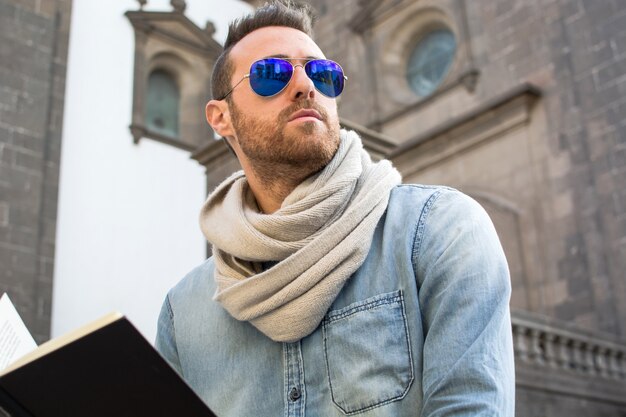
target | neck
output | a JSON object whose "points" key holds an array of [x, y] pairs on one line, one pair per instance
{"points": [[272, 184]]}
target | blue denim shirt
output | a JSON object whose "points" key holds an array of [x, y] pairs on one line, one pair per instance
{"points": [[421, 329]]}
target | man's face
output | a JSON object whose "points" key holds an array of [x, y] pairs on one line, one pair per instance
{"points": [[273, 130]]}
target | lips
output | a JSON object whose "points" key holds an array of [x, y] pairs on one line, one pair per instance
{"points": [[305, 113]]}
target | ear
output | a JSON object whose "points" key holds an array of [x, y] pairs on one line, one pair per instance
{"points": [[218, 116]]}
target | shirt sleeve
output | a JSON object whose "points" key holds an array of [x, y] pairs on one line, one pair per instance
{"points": [[166, 337], [464, 291]]}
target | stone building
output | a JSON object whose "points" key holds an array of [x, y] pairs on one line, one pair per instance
{"points": [[521, 105], [33, 57]]}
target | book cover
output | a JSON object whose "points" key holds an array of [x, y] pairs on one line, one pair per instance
{"points": [[106, 368]]}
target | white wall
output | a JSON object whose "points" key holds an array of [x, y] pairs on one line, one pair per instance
{"points": [[128, 214]]}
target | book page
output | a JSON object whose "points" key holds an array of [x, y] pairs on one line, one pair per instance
{"points": [[15, 339], [59, 342]]}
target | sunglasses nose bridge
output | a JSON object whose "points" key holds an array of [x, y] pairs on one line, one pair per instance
{"points": [[294, 66], [301, 81]]}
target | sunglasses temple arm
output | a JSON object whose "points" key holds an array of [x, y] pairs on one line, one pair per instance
{"points": [[234, 86]]}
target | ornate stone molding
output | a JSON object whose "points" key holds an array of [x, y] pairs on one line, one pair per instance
{"points": [[139, 131], [177, 28], [375, 143], [179, 5], [214, 151], [397, 27], [488, 120]]}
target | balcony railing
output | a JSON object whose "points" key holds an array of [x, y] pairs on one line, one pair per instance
{"points": [[558, 357]]}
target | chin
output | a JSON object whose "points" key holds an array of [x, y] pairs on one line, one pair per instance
{"points": [[310, 150], [310, 128]]}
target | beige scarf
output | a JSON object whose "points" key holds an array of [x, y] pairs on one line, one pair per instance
{"points": [[319, 237]]}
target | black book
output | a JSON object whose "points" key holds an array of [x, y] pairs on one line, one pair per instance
{"points": [[105, 369]]}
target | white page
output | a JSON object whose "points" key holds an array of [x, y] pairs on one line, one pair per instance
{"points": [[15, 339]]}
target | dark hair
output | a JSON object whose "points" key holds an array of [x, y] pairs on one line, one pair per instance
{"points": [[274, 13]]}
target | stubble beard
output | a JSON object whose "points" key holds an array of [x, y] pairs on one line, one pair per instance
{"points": [[291, 156]]}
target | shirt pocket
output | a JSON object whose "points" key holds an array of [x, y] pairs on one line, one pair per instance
{"points": [[368, 354]]}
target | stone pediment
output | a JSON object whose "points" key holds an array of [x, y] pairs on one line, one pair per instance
{"points": [[169, 44], [175, 27]]}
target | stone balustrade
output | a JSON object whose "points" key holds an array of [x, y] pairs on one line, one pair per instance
{"points": [[544, 344]]}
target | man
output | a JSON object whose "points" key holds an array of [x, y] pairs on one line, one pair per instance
{"points": [[333, 290]]}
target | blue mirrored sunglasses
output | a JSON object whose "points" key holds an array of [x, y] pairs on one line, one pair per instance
{"points": [[270, 76]]}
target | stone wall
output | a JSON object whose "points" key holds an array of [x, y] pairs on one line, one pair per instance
{"points": [[33, 57], [531, 122], [571, 194], [573, 51]]}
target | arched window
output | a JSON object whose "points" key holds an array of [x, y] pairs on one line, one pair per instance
{"points": [[162, 104], [430, 61]]}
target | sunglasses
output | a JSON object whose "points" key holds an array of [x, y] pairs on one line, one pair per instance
{"points": [[270, 76]]}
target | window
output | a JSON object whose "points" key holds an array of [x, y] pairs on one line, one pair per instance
{"points": [[162, 103], [430, 61]]}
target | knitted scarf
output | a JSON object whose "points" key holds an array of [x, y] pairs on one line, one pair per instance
{"points": [[317, 239]]}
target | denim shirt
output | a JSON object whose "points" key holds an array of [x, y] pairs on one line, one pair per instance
{"points": [[422, 328]]}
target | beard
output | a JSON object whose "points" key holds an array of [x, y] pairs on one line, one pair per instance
{"points": [[295, 153]]}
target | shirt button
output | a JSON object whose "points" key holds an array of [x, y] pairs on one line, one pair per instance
{"points": [[294, 394]]}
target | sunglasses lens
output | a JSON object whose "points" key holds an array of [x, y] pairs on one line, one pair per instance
{"points": [[269, 76], [327, 76]]}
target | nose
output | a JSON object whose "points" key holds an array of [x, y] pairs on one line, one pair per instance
{"points": [[301, 86]]}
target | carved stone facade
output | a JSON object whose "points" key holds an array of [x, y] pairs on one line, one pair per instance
{"points": [[171, 43], [529, 120]]}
